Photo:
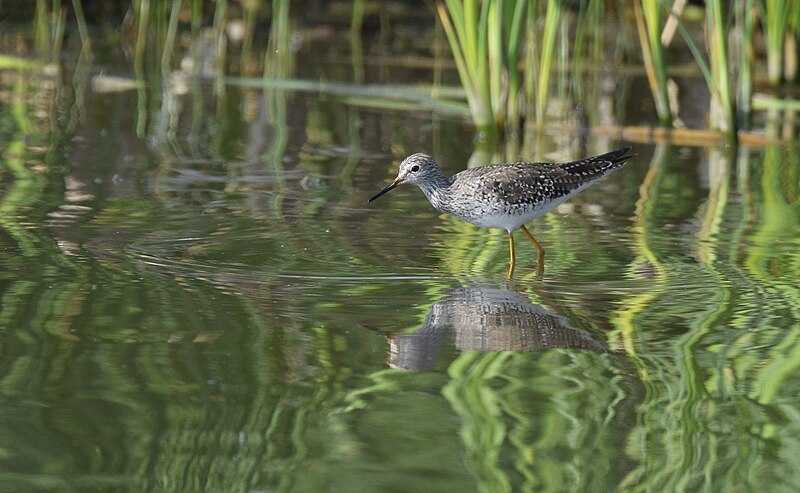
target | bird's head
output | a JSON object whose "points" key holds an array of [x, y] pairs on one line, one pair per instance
{"points": [[417, 169]]}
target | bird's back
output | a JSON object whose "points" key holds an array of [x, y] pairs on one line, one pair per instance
{"points": [[522, 190]]}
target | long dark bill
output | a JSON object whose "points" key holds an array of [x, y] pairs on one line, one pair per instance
{"points": [[388, 188]]}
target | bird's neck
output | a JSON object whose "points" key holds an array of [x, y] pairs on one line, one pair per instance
{"points": [[435, 189]]}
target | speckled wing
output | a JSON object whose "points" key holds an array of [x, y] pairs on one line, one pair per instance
{"points": [[516, 183], [531, 184]]}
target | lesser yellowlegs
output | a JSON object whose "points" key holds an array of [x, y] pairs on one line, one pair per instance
{"points": [[504, 195]]}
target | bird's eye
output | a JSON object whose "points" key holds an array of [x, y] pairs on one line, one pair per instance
{"points": [[414, 168]]}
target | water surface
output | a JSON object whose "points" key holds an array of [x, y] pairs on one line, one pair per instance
{"points": [[196, 297]]}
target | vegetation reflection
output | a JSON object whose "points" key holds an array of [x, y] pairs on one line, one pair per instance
{"points": [[193, 296]]}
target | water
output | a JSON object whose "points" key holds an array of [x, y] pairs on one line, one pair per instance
{"points": [[195, 297]]}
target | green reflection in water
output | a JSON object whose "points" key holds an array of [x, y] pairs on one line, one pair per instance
{"points": [[203, 315]]}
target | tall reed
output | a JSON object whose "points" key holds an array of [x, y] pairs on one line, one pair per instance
{"points": [[649, 24], [722, 103], [485, 38], [718, 68], [777, 16], [41, 26], [172, 30], [744, 24], [504, 51], [791, 63], [48, 28], [588, 48], [551, 22]]}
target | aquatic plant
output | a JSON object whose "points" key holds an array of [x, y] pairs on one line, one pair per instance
{"points": [[649, 25], [780, 22], [520, 63], [485, 38]]}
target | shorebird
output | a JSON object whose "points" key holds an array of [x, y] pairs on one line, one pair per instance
{"points": [[505, 195]]}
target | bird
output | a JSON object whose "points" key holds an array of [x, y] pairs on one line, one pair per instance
{"points": [[505, 195]]}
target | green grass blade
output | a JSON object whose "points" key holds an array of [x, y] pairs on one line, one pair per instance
{"points": [[551, 23], [649, 23], [720, 70]]}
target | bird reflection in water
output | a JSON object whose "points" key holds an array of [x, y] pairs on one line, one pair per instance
{"points": [[486, 320]]}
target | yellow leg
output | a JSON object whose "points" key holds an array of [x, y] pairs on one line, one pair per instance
{"points": [[513, 259], [540, 258]]}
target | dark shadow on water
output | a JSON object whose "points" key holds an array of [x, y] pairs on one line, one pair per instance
{"points": [[486, 319]]}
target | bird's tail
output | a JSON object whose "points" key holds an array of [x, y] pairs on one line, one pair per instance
{"points": [[595, 167]]}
